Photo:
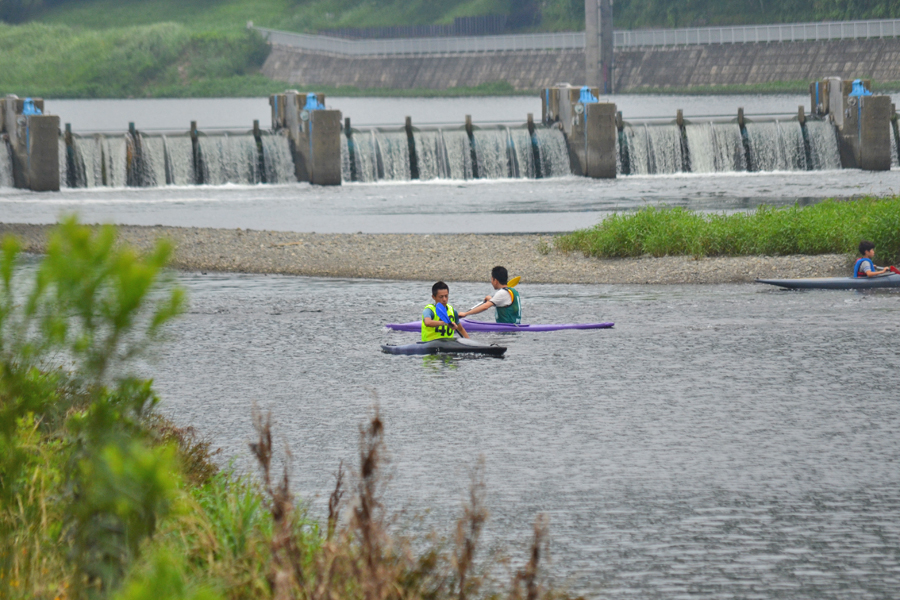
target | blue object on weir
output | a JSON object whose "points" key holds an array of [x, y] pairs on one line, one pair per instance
{"points": [[859, 89], [587, 97], [312, 103], [28, 108]]}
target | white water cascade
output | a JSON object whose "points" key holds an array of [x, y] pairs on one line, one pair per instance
{"points": [[500, 153], [229, 159], [722, 147], [6, 172], [776, 146], [715, 147], [654, 149], [179, 152], [63, 162], [169, 160], [895, 157], [153, 151], [823, 146], [278, 159]]}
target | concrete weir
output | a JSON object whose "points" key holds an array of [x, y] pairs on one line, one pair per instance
{"points": [[577, 134]]}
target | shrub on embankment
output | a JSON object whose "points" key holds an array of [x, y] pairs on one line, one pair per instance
{"points": [[828, 227], [101, 498], [57, 61]]}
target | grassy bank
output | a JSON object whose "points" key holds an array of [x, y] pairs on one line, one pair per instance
{"points": [[826, 228], [101, 498], [166, 60], [58, 61]]}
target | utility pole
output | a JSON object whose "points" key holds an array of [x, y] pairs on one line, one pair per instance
{"points": [[592, 42], [607, 59]]}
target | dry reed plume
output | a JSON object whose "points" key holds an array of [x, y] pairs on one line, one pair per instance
{"points": [[359, 557]]}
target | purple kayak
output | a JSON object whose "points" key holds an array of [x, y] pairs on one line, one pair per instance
{"points": [[488, 326]]}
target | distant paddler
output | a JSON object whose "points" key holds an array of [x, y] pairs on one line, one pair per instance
{"points": [[439, 319], [505, 298]]}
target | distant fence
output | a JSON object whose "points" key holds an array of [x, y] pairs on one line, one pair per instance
{"points": [[791, 32], [462, 26]]}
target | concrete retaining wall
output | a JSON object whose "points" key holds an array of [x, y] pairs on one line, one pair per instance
{"points": [[684, 66]]}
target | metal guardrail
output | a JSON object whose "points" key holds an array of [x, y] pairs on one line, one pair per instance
{"points": [[791, 32]]}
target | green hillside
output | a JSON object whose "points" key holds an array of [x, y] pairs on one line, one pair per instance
{"points": [[145, 48], [547, 15]]}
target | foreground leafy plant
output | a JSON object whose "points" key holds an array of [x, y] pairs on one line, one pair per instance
{"points": [[88, 308]]}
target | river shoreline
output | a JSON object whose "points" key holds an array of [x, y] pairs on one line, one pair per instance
{"points": [[451, 257]]}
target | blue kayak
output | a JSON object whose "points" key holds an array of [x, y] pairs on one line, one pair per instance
{"points": [[891, 280]]}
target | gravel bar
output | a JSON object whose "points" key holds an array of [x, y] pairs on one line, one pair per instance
{"points": [[421, 257]]}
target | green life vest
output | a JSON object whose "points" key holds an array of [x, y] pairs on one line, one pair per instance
{"points": [[513, 312], [443, 331]]}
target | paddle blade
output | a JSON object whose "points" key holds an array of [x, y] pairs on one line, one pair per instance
{"points": [[514, 281], [441, 312], [895, 270]]}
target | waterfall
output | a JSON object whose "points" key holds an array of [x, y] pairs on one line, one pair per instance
{"points": [[459, 154], [432, 155], [895, 157], [522, 148], [665, 146], [114, 153], [392, 153], [346, 171], [491, 154], [179, 153], [553, 152], [500, 153], [278, 159], [88, 161], [6, 172], [636, 140], [823, 145], [153, 152], [229, 159], [715, 147], [776, 146], [63, 163], [654, 149]]}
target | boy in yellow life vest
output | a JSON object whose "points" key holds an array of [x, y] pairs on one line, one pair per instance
{"points": [[505, 299], [433, 328]]}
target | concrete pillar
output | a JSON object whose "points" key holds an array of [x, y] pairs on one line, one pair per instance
{"points": [[43, 152], [324, 138], [592, 42], [874, 147], [600, 140], [607, 58]]}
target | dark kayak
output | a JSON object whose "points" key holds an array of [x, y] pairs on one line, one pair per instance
{"points": [[446, 346], [488, 326], [837, 283]]}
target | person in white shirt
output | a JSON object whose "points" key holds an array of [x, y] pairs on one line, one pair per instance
{"points": [[505, 299]]}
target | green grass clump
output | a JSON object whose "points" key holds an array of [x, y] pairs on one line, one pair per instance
{"points": [[832, 226]]}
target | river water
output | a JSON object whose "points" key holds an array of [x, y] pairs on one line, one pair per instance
{"points": [[729, 441]]}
